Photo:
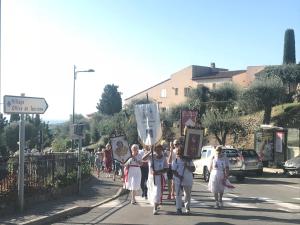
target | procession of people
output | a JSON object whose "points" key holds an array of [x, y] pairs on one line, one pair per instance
{"points": [[154, 166]]}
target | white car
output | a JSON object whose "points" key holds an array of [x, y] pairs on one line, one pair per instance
{"points": [[235, 162]]}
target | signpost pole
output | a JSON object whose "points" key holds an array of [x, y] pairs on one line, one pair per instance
{"points": [[23, 105], [79, 164], [21, 161]]}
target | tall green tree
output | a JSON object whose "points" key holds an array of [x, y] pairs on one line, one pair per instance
{"points": [[289, 53], [3, 124], [198, 99], [263, 94], [111, 101], [225, 96], [14, 117], [289, 74], [223, 123]]}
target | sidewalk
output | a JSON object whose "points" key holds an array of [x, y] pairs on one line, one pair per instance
{"points": [[94, 193]]}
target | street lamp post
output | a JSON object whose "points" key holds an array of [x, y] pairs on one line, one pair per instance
{"points": [[80, 138], [74, 79]]}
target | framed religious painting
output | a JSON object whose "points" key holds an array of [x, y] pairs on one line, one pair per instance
{"points": [[193, 142], [188, 118], [120, 148]]}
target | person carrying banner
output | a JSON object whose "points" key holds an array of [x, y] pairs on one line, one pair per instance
{"points": [[98, 163], [133, 177], [107, 159], [172, 156], [157, 167], [183, 169], [219, 171], [144, 171]]}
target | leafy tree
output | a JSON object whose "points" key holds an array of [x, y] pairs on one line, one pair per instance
{"points": [[263, 94], [14, 117], [225, 96], [287, 73], [289, 55], [111, 101], [95, 134], [198, 99], [223, 123], [12, 136], [59, 144], [3, 124]]}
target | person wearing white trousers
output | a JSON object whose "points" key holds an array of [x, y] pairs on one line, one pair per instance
{"points": [[183, 169], [157, 168]]}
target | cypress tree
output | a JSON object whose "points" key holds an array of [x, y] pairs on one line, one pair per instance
{"points": [[289, 55]]}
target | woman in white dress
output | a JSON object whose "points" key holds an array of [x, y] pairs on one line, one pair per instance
{"points": [[158, 166], [219, 171], [133, 178]]}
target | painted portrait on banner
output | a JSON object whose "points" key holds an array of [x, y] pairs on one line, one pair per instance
{"points": [[120, 148], [193, 142], [188, 118]]}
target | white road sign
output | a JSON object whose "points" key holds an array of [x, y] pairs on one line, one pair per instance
{"points": [[22, 104]]}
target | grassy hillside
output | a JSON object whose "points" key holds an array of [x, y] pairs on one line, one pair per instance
{"points": [[286, 115]]}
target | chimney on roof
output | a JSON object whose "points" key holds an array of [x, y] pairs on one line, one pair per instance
{"points": [[212, 65]]}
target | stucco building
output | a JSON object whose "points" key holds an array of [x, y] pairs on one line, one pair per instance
{"points": [[175, 90]]}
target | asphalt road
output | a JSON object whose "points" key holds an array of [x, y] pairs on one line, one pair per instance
{"points": [[258, 200]]}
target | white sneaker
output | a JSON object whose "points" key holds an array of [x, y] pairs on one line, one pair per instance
{"points": [[221, 204], [217, 206], [154, 211]]}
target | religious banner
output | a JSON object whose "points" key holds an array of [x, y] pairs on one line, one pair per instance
{"points": [[148, 123], [193, 142], [120, 148], [188, 118]]}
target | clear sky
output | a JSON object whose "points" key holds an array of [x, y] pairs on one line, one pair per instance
{"points": [[131, 43]]}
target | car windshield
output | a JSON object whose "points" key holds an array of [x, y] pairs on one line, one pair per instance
{"points": [[231, 152], [249, 153]]}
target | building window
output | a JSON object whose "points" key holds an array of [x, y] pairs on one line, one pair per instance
{"points": [[176, 91], [186, 92], [163, 93]]}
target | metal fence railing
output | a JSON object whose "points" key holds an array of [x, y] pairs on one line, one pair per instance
{"points": [[41, 173]]}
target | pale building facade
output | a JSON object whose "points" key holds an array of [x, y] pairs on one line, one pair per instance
{"points": [[175, 90]]}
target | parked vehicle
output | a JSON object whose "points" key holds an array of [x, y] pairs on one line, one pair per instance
{"points": [[292, 166], [234, 157], [252, 164]]}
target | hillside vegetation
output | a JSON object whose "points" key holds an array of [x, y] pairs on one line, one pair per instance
{"points": [[285, 115]]}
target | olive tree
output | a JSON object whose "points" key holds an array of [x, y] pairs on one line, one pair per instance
{"points": [[263, 94]]}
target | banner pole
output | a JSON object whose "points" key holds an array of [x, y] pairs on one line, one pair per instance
{"points": [[152, 146]]}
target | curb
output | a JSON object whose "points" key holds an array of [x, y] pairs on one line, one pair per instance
{"points": [[273, 170], [73, 211]]}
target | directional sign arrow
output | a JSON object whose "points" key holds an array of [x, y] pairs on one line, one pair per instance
{"points": [[22, 104]]}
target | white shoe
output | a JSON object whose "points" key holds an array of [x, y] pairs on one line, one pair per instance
{"points": [[217, 206], [221, 204], [154, 211]]}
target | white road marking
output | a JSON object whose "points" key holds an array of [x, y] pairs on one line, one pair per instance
{"points": [[297, 199], [290, 186], [233, 195], [289, 205], [281, 204]]}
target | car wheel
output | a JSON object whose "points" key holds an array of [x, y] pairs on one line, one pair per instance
{"points": [[206, 174], [240, 178]]}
